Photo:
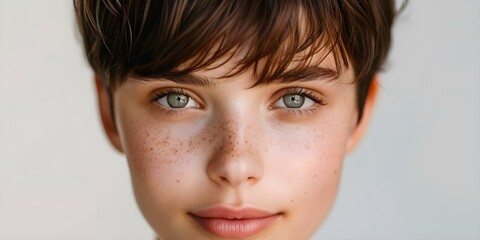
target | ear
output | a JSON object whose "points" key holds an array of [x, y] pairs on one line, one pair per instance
{"points": [[104, 106], [359, 128]]}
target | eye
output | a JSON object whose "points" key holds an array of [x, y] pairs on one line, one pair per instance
{"points": [[175, 98], [297, 99]]}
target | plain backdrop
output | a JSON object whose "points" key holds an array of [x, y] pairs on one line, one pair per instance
{"points": [[416, 175]]}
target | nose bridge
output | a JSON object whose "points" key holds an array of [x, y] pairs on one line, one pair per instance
{"points": [[236, 159], [236, 133]]}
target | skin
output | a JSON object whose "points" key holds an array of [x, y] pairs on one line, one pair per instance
{"points": [[238, 146]]}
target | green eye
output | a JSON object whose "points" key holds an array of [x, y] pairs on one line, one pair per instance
{"points": [[293, 100], [297, 99], [177, 100]]}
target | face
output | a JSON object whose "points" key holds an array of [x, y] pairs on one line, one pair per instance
{"points": [[222, 160]]}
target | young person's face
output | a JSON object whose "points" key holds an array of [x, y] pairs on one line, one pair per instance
{"points": [[226, 161]]}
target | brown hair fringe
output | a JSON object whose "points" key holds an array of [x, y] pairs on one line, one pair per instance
{"points": [[160, 39]]}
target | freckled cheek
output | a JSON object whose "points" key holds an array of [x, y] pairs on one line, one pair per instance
{"points": [[314, 169], [162, 155], [322, 144], [312, 158]]}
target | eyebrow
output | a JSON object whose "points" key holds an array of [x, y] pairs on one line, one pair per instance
{"points": [[310, 73], [306, 74], [191, 79]]}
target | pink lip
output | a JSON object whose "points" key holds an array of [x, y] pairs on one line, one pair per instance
{"points": [[228, 222]]}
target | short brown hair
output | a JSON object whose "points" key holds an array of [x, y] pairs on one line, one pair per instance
{"points": [[158, 39]]}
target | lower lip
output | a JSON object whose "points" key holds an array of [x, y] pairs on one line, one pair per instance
{"points": [[235, 228]]}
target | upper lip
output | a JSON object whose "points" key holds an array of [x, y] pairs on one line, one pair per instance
{"points": [[227, 212]]}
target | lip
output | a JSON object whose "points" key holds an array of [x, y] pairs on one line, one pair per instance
{"points": [[230, 222]]}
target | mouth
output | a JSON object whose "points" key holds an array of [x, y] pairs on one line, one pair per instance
{"points": [[228, 222]]}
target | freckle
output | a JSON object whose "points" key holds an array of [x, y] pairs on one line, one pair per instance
{"points": [[305, 193], [178, 181], [292, 200], [315, 175], [335, 172]]}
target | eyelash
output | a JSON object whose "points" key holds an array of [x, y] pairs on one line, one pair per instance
{"points": [[168, 91], [304, 92]]}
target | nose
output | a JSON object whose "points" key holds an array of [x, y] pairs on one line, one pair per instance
{"points": [[236, 159]]}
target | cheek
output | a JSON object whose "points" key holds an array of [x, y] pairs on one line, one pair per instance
{"points": [[167, 159], [308, 161], [160, 154], [309, 149]]}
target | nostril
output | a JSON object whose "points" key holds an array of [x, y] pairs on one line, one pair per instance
{"points": [[228, 180], [252, 179], [223, 179]]}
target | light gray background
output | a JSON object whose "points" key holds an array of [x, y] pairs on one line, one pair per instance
{"points": [[415, 176]]}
